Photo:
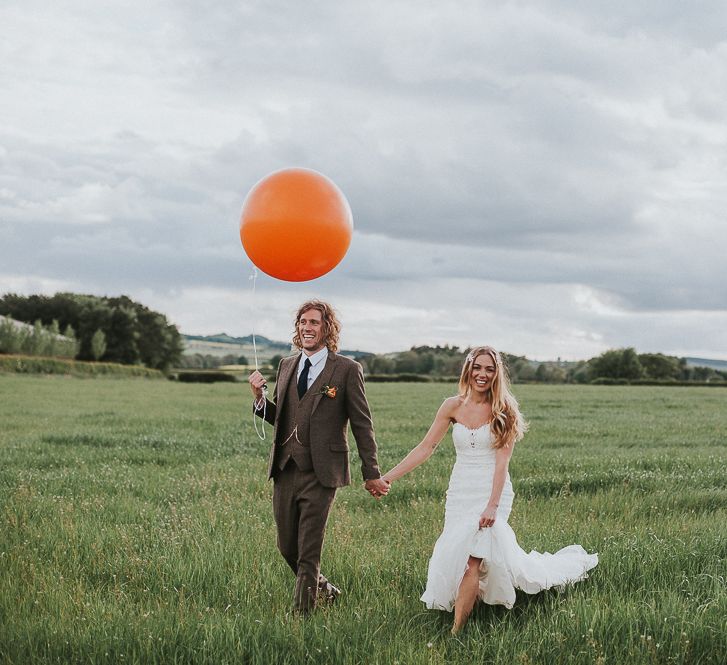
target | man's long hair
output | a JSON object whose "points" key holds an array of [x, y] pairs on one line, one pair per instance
{"points": [[507, 425], [331, 324]]}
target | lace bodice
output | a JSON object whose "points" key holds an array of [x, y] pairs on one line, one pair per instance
{"points": [[473, 444]]}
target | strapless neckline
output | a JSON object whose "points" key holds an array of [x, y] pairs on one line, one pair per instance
{"points": [[471, 429]]}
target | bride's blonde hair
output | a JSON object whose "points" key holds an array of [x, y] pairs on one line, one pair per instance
{"points": [[507, 425]]}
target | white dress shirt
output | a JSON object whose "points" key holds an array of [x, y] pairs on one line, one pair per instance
{"points": [[318, 362]]}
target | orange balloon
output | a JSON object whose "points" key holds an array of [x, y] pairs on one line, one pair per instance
{"points": [[296, 225]]}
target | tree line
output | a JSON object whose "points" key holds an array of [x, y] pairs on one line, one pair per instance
{"points": [[614, 365], [124, 331], [110, 329]]}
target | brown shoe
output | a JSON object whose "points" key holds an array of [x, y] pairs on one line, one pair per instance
{"points": [[327, 593]]}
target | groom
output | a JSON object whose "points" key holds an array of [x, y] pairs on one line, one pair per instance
{"points": [[317, 393]]}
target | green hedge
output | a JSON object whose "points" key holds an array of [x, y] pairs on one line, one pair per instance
{"points": [[44, 365], [660, 382], [205, 377], [409, 378], [606, 381]]}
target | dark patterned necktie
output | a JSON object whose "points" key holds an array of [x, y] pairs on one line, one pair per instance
{"points": [[303, 379]]}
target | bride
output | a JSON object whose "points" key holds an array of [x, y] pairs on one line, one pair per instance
{"points": [[477, 554]]}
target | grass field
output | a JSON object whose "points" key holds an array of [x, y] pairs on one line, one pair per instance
{"points": [[136, 527]]}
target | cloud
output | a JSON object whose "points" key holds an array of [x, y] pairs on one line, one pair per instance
{"points": [[566, 160]]}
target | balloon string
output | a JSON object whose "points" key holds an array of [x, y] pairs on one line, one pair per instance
{"points": [[253, 277], [260, 431]]}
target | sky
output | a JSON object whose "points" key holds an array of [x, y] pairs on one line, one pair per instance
{"points": [[548, 177]]}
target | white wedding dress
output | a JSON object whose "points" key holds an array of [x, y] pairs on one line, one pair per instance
{"points": [[505, 566]]}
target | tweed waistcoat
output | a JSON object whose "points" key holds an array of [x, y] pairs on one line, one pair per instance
{"points": [[295, 415]]}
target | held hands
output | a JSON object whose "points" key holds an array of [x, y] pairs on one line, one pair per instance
{"points": [[377, 487], [487, 518], [257, 383]]}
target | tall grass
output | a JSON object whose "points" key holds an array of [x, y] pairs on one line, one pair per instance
{"points": [[135, 526]]}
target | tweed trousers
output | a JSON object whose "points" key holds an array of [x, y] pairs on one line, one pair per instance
{"points": [[301, 506]]}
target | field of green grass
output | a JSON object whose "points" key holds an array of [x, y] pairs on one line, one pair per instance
{"points": [[136, 527]]}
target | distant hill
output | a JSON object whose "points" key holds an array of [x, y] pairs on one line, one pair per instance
{"points": [[224, 338], [720, 365], [222, 344]]}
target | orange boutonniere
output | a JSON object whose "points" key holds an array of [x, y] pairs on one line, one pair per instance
{"points": [[329, 391]]}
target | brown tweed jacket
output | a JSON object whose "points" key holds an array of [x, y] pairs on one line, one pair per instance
{"points": [[323, 421]]}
